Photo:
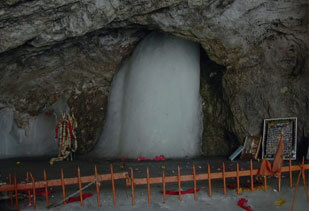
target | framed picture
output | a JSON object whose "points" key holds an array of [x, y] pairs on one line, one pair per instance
{"points": [[271, 136], [252, 147]]}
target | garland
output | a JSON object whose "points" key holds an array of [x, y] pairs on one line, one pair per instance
{"points": [[66, 136]]}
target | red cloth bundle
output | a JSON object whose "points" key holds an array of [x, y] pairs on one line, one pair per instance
{"points": [[171, 192], [243, 204], [73, 199]]}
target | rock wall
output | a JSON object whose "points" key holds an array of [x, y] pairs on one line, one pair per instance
{"points": [[51, 49]]}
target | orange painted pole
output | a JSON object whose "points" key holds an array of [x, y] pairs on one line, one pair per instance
{"points": [[63, 186], [132, 187], [279, 181], [237, 178], [16, 193], [11, 192], [33, 188], [209, 181], [164, 185], [80, 187], [97, 186], [29, 192], [194, 182], [223, 177], [290, 173], [251, 176], [46, 188], [148, 187], [304, 178], [265, 183], [296, 187], [179, 184], [113, 184]]}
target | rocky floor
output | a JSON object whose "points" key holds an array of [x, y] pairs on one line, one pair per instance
{"points": [[258, 200]]}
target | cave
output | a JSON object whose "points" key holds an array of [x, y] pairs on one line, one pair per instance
{"points": [[251, 68], [141, 86]]}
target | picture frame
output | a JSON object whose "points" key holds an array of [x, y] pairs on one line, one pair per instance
{"points": [[271, 135], [252, 147]]}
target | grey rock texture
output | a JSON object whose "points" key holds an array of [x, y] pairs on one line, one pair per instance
{"points": [[51, 49]]}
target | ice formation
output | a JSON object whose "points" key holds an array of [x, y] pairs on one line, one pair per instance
{"points": [[154, 107], [41, 138]]}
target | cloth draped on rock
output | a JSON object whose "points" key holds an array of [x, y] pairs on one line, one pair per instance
{"points": [[66, 135], [268, 169]]}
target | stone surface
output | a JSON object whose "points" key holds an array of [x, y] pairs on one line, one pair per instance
{"points": [[71, 49]]}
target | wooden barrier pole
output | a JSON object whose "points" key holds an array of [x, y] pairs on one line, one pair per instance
{"points": [[265, 183], [16, 192], [97, 186], [296, 187], [237, 178], [46, 188], [209, 181], [113, 184], [179, 184], [11, 192], [29, 192], [304, 178], [251, 176], [164, 185], [194, 182], [279, 181], [34, 193], [80, 187], [148, 187], [290, 173], [132, 187], [223, 177], [63, 186]]}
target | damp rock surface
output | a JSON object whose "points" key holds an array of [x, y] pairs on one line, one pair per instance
{"points": [[54, 49]]}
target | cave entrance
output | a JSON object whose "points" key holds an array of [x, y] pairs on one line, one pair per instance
{"points": [[155, 107]]}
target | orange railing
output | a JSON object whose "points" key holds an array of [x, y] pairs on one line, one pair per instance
{"points": [[131, 181]]}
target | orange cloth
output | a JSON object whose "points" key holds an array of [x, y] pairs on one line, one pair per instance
{"points": [[268, 169]]}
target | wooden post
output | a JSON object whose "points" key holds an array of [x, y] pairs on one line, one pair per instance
{"points": [[290, 172], [11, 192], [80, 187], [46, 188], [265, 183], [296, 187], [16, 192], [164, 185], [63, 186], [304, 178], [97, 185], [29, 192], [179, 183], [113, 184], [237, 178], [194, 182], [224, 179], [148, 187], [132, 187], [251, 176], [33, 188], [209, 181], [279, 181]]}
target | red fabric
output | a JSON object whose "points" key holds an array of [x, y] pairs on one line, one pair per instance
{"points": [[171, 192], [243, 204], [159, 158], [122, 159], [73, 199], [40, 192], [141, 158]]}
